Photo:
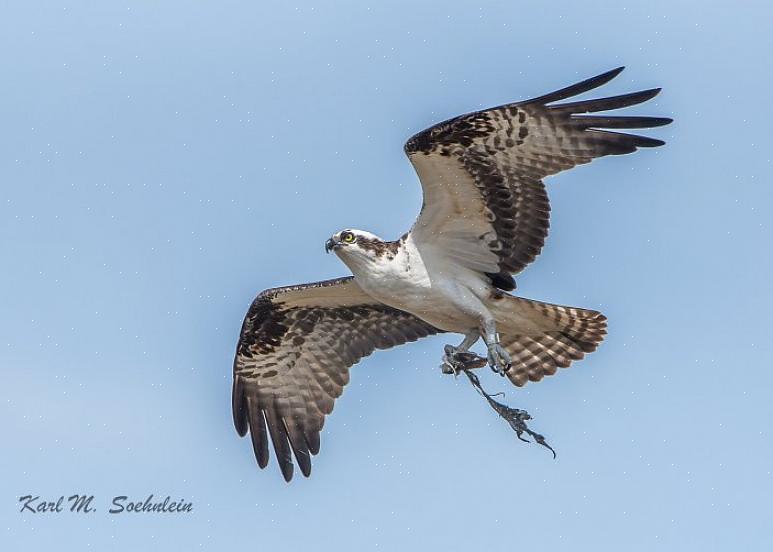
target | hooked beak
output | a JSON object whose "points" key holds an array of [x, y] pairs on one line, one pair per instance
{"points": [[330, 245]]}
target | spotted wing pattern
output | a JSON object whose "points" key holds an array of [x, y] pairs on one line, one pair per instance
{"points": [[485, 204], [293, 357]]}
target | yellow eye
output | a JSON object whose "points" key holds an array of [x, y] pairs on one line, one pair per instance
{"points": [[347, 237]]}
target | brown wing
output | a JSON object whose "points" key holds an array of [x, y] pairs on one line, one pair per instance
{"points": [[293, 357], [484, 201]]}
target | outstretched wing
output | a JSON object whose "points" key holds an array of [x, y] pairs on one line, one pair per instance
{"points": [[485, 204], [292, 361]]}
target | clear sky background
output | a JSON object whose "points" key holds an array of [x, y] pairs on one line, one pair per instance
{"points": [[163, 162]]}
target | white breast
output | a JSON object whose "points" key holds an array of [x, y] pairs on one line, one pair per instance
{"points": [[436, 289]]}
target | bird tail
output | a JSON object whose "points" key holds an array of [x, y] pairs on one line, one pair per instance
{"points": [[542, 337]]}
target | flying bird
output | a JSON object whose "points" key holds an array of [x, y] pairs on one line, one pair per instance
{"points": [[484, 218]]}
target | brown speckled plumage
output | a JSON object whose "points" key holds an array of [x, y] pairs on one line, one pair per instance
{"points": [[508, 150], [485, 210], [380, 248], [293, 360]]}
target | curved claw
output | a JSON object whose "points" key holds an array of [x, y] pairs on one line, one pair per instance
{"points": [[455, 361], [498, 358]]}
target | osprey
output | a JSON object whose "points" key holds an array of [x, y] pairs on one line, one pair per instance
{"points": [[484, 218]]}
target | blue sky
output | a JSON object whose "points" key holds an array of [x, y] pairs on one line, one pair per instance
{"points": [[164, 162]]}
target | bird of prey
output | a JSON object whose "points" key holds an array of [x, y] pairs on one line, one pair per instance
{"points": [[483, 219]]}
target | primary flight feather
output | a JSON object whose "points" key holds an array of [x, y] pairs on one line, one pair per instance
{"points": [[485, 217]]}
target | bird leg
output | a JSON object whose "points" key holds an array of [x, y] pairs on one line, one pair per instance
{"points": [[456, 359], [498, 357]]}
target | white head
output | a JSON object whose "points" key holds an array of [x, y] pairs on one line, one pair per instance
{"points": [[359, 249]]}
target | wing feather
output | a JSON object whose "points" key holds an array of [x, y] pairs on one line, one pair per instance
{"points": [[258, 432], [485, 205], [292, 361]]}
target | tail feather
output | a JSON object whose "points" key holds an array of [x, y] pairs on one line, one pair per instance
{"points": [[542, 337]]}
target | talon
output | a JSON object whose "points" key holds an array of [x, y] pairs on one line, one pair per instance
{"points": [[455, 361], [448, 368], [451, 364], [498, 358]]}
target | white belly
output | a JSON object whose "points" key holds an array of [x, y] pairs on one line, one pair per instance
{"points": [[448, 297]]}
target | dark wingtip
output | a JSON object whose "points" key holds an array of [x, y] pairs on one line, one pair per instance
{"points": [[599, 80], [303, 458], [577, 88], [305, 467], [260, 447], [643, 95], [647, 142], [262, 462], [614, 72], [258, 433], [295, 435], [653, 122], [613, 121], [287, 470], [239, 407], [605, 104], [651, 93], [312, 441]]}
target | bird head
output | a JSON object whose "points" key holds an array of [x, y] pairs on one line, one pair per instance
{"points": [[357, 247]]}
